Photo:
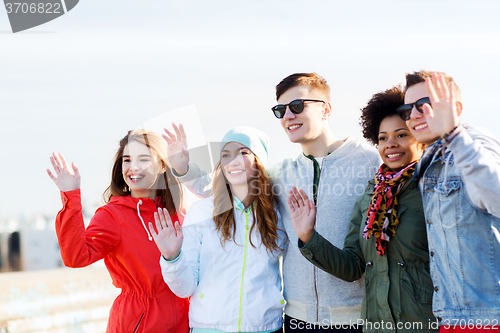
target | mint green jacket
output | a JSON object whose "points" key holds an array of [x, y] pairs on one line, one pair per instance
{"points": [[398, 286]]}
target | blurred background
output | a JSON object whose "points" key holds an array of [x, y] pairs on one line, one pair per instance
{"points": [[77, 84]]}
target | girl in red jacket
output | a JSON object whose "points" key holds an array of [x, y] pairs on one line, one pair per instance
{"points": [[141, 182]]}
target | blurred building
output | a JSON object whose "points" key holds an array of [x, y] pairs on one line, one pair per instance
{"points": [[28, 244]]}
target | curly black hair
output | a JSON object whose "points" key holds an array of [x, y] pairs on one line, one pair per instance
{"points": [[379, 107]]}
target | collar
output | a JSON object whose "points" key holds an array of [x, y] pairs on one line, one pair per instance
{"points": [[239, 205], [432, 153], [314, 158], [343, 149]]}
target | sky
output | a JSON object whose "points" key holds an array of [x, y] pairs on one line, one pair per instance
{"points": [[77, 84]]}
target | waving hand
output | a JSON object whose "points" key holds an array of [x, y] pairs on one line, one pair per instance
{"points": [[444, 113], [66, 178], [178, 155], [303, 214], [169, 237]]}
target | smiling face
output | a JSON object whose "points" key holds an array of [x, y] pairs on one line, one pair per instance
{"points": [[140, 170], [417, 124], [309, 124], [396, 146], [238, 164]]}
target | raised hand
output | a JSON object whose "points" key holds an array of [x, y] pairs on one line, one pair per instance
{"points": [[66, 179], [303, 213], [178, 155], [443, 115], [169, 237]]}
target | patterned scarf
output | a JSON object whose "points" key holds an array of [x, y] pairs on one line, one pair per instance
{"points": [[382, 218]]}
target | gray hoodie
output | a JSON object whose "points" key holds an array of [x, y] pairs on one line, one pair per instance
{"points": [[313, 295]]}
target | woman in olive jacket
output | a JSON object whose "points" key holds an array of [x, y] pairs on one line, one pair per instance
{"points": [[387, 238]]}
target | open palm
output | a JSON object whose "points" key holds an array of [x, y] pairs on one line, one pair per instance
{"points": [[443, 115], [177, 152], [66, 179], [302, 213], [169, 237]]}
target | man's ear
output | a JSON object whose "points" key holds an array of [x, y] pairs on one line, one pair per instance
{"points": [[327, 110], [459, 107]]}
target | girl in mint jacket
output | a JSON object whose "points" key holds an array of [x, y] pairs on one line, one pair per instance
{"points": [[226, 255]]}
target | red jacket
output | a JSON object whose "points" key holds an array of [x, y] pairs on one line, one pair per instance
{"points": [[117, 234]]}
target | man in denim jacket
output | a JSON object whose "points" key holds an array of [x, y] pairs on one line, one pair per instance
{"points": [[459, 178]]}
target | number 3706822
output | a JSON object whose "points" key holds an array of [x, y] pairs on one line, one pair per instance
{"points": [[20, 7], [478, 324]]}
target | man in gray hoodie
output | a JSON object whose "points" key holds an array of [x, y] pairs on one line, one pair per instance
{"points": [[332, 171]]}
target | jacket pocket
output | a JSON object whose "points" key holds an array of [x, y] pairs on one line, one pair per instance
{"points": [[275, 299], [127, 314], [416, 293], [449, 203], [422, 294], [446, 189], [138, 324], [417, 284]]}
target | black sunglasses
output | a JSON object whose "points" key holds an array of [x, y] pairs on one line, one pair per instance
{"points": [[296, 106], [404, 110]]}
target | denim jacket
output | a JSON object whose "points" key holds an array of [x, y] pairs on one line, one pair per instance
{"points": [[461, 196]]}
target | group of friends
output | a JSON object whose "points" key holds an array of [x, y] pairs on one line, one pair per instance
{"points": [[403, 239]]}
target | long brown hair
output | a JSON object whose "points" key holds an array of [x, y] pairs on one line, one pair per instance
{"points": [[168, 187], [265, 217]]}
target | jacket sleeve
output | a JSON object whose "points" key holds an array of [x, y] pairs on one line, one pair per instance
{"points": [[197, 181], [478, 158], [347, 264], [182, 274], [81, 247]]}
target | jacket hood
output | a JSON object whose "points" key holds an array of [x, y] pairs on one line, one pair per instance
{"points": [[137, 204], [130, 202]]}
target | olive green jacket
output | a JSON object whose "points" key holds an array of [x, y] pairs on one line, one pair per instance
{"points": [[398, 286]]}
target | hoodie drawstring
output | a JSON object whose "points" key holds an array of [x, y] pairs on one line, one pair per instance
{"points": [[143, 224]]}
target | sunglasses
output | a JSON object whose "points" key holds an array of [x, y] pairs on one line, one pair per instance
{"points": [[296, 106], [404, 110]]}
